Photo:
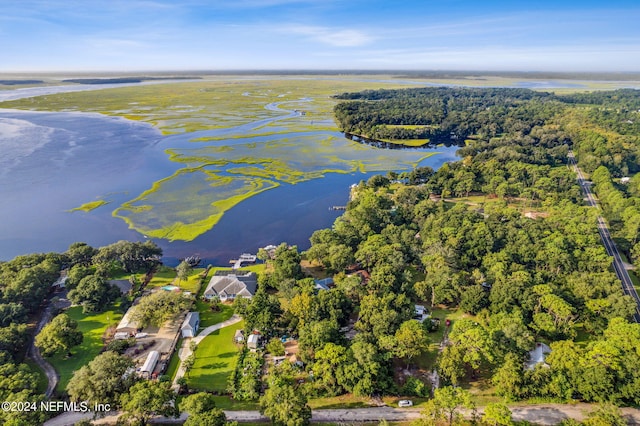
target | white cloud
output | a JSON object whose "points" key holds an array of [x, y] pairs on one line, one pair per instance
{"points": [[331, 36]]}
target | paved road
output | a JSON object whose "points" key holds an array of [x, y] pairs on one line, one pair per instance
{"points": [[609, 244], [185, 351], [543, 414]]}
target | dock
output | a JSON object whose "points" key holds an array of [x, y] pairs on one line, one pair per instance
{"points": [[338, 208], [244, 258]]}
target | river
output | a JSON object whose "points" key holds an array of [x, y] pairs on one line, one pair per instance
{"points": [[55, 161]]}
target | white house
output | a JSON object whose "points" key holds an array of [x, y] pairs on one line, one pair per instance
{"points": [[190, 326], [231, 285], [538, 355]]}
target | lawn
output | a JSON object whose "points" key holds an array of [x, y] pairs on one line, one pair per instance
{"points": [[174, 362], [342, 401], [209, 317], [227, 403], [164, 276], [93, 327], [193, 283], [216, 357]]}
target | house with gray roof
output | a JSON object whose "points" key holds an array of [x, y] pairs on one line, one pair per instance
{"points": [[190, 325], [231, 285]]}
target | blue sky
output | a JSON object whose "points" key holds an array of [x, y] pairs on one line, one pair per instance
{"points": [[127, 35]]}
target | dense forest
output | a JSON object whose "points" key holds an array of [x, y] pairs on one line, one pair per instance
{"points": [[517, 137], [25, 289], [522, 280], [604, 126]]}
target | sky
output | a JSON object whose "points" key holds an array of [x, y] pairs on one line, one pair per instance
{"points": [[147, 35]]}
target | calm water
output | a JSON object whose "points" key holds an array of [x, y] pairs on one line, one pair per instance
{"points": [[53, 162]]}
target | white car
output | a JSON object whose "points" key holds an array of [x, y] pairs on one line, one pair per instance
{"points": [[405, 403]]}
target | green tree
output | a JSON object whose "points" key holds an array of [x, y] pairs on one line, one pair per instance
{"points": [[77, 273], [94, 293], [198, 403], [328, 361], [60, 335], [187, 364], [183, 270], [286, 263], [81, 254], [159, 307], [509, 379], [103, 380], [131, 256], [284, 404], [446, 405], [497, 414], [275, 347], [410, 340], [262, 311], [215, 417], [473, 299], [146, 399]]}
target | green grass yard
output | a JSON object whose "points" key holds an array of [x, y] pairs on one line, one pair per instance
{"points": [[93, 327], [174, 362], [216, 357], [209, 317], [227, 403]]}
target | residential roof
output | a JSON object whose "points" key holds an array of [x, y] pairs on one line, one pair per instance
{"points": [[126, 321], [323, 284], [538, 355], [191, 321], [240, 285], [253, 338], [123, 285]]}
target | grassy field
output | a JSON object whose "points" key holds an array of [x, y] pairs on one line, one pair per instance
{"points": [[342, 401], [216, 357], [209, 317], [93, 327], [174, 362], [164, 276], [228, 403]]}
